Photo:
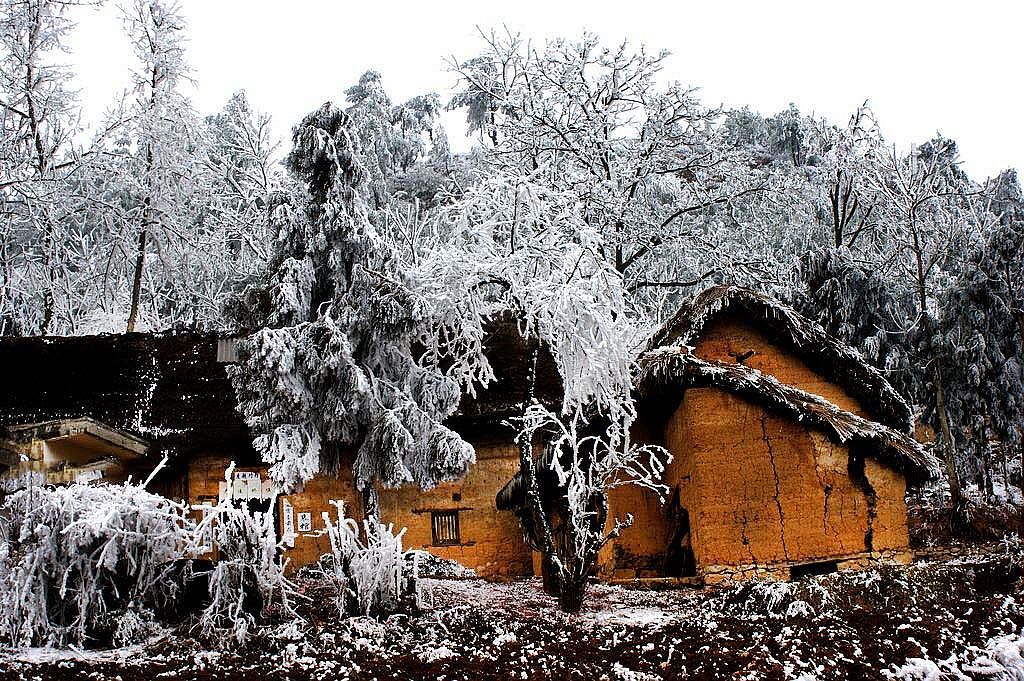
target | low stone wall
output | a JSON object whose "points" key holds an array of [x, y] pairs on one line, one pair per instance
{"points": [[782, 572]]}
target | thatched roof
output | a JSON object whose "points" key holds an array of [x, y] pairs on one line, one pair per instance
{"points": [[167, 389], [673, 370], [482, 417], [826, 355]]}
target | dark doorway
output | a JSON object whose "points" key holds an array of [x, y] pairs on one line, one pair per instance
{"points": [[679, 558]]}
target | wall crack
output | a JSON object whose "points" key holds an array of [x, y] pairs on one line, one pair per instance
{"points": [[859, 478], [778, 493]]}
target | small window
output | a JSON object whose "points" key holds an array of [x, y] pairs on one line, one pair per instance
{"points": [[227, 350], [444, 528], [825, 567]]}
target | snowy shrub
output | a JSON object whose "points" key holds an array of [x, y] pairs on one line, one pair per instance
{"points": [[1003, 658], [247, 580], [21, 481], [429, 565], [918, 669], [76, 560], [371, 573]]}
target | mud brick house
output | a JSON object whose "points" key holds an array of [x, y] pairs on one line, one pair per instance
{"points": [[791, 454], [103, 408]]}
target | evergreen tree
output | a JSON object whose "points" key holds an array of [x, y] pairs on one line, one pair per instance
{"points": [[982, 333], [336, 368]]}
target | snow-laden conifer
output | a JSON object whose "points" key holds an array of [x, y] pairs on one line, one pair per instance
{"points": [[350, 366]]}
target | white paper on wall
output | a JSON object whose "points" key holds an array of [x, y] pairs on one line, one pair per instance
{"points": [[254, 490], [267, 488], [239, 488], [222, 490], [289, 522], [84, 477]]}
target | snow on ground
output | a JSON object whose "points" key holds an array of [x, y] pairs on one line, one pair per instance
{"points": [[927, 621]]}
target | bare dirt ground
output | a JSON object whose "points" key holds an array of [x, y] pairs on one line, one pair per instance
{"points": [[959, 620]]}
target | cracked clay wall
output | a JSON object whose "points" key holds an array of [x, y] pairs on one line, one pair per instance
{"points": [[763, 489], [760, 488]]}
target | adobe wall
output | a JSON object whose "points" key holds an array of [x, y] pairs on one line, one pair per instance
{"points": [[729, 336], [761, 489], [764, 490], [491, 541], [206, 473], [315, 499]]}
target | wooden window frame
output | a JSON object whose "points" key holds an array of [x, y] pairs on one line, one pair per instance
{"points": [[445, 528]]}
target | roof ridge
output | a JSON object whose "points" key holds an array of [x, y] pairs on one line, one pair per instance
{"points": [[835, 359], [668, 364]]}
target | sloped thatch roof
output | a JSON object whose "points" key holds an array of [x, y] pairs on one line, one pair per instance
{"points": [[481, 417], [167, 389], [826, 355], [676, 369]]}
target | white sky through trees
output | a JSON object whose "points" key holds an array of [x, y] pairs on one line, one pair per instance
{"points": [[953, 67]]}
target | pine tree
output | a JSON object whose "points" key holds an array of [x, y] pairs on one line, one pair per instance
{"points": [[982, 333], [337, 369]]}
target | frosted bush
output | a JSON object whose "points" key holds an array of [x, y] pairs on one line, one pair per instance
{"points": [[1003, 658], [371, 573], [102, 564], [247, 580], [75, 560]]}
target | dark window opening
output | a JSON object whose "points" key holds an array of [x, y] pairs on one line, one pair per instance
{"points": [[824, 567], [444, 528]]}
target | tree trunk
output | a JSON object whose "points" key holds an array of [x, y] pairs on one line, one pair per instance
{"points": [[955, 493], [940, 395], [570, 597], [550, 578], [140, 262], [986, 463]]}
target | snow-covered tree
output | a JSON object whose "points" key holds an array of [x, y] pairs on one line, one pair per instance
{"points": [[521, 249], [341, 365], [161, 160], [39, 206], [982, 335], [645, 161], [403, 147], [927, 212]]}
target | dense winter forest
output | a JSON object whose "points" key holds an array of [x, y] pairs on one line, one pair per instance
{"points": [[361, 262]]}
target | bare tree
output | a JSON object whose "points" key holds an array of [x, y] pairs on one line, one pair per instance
{"points": [[645, 161], [162, 121]]}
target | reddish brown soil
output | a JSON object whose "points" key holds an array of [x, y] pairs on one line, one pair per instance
{"points": [[843, 626]]}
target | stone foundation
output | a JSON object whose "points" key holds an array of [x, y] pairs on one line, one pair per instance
{"points": [[783, 572]]}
